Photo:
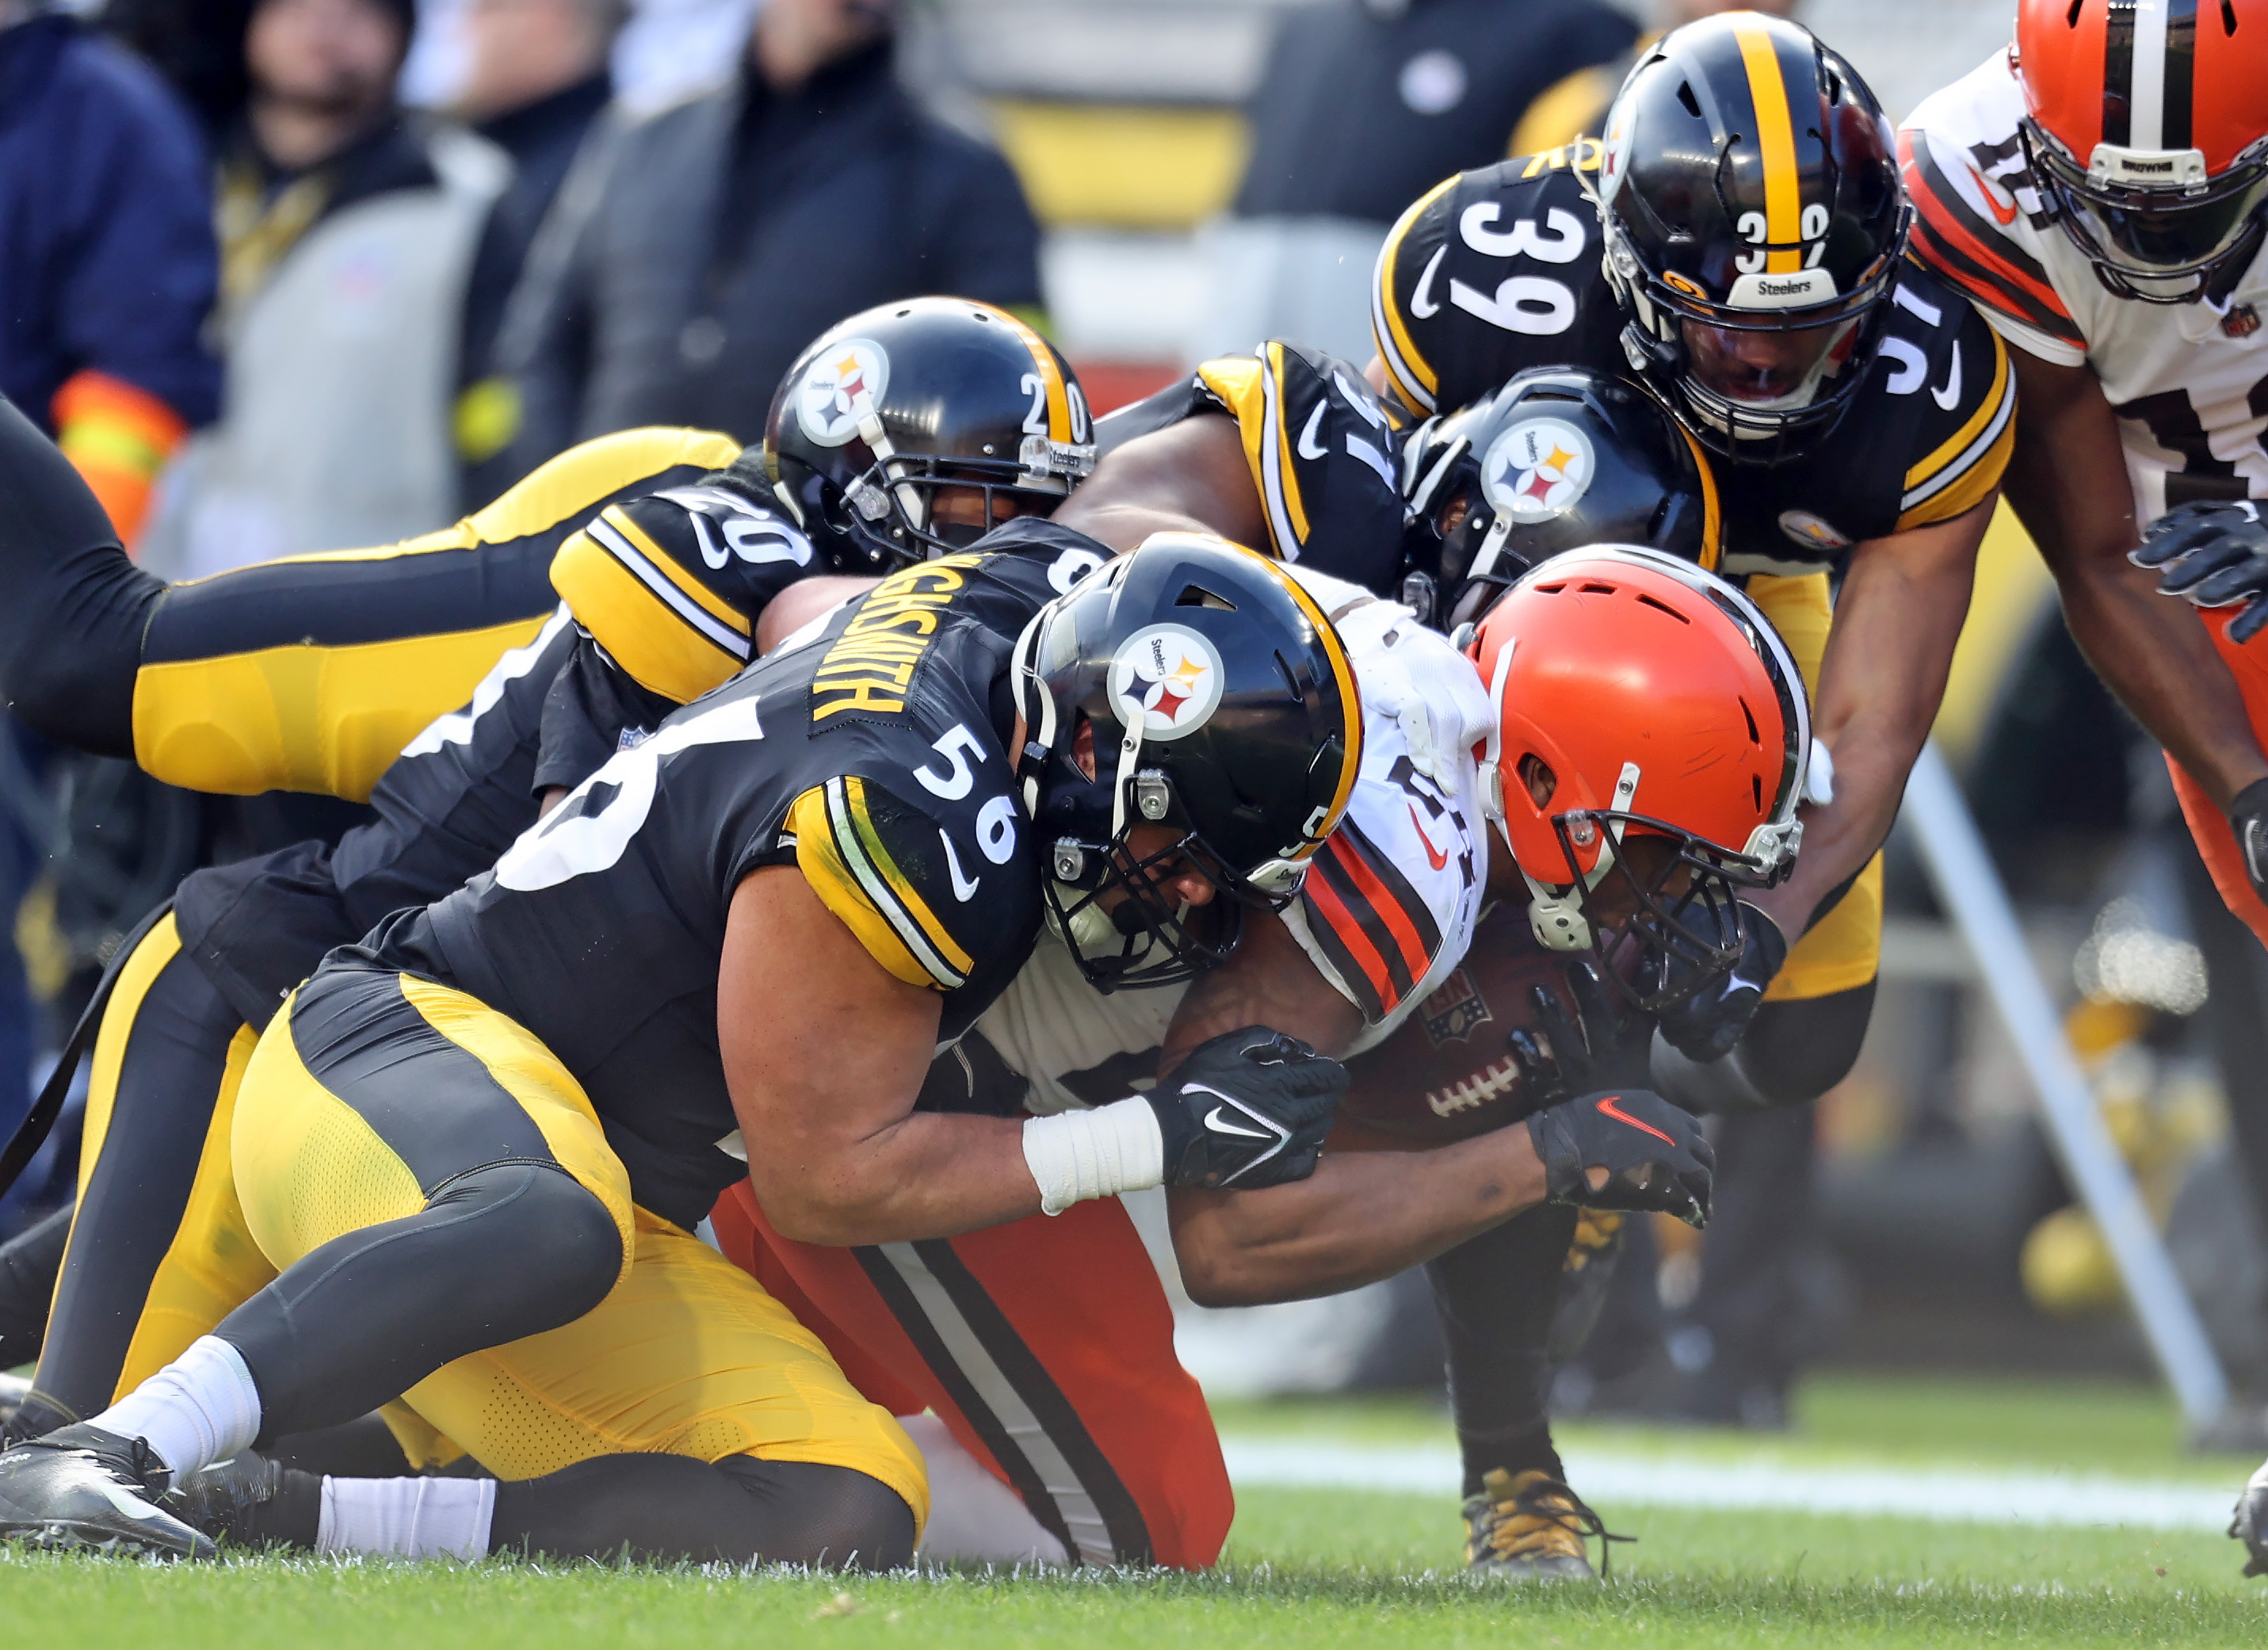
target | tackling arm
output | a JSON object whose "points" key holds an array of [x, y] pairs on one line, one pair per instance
{"points": [[2068, 482], [825, 1051], [1902, 603], [1190, 476]]}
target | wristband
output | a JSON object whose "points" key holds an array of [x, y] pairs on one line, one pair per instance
{"points": [[1077, 1155]]}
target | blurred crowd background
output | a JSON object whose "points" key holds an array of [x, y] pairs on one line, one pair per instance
{"points": [[295, 275]]}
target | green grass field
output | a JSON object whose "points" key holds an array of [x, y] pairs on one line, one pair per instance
{"points": [[1310, 1567]]}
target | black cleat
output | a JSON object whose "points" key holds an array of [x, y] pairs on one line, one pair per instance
{"points": [[14, 1390], [85, 1488], [223, 1500]]}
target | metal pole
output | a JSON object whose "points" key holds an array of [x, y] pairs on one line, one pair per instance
{"points": [[1977, 905]]}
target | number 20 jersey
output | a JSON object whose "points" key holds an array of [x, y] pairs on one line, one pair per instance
{"points": [[2188, 381], [872, 757], [1500, 269]]}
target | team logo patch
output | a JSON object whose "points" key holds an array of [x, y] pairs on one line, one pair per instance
{"points": [[827, 400], [1539, 469], [1173, 676], [1451, 1013], [1814, 533], [2242, 322]]}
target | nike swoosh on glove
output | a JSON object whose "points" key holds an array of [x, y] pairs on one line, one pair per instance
{"points": [[1247, 1108], [1655, 1158], [2215, 554], [1705, 1026]]}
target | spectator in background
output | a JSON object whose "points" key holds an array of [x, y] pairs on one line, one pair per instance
{"points": [[726, 232], [106, 272], [1364, 106], [1576, 106], [346, 231], [536, 84]]}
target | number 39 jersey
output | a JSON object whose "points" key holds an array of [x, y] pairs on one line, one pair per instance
{"points": [[2188, 381], [1500, 269], [874, 757]]}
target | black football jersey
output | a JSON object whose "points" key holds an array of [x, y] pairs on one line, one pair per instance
{"points": [[1500, 269], [1321, 447], [874, 757], [462, 790]]}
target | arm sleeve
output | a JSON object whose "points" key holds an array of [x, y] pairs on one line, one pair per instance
{"points": [[73, 607]]}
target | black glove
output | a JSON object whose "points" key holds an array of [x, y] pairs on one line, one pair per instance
{"points": [[2215, 554], [1705, 1026], [2249, 819], [1559, 1055], [1656, 1159], [1247, 1108]]}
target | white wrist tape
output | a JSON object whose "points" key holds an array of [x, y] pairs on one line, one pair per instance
{"points": [[1099, 1153]]}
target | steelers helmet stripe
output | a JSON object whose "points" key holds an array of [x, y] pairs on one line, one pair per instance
{"points": [[731, 637], [886, 889], [1406, 370], [1050, 377], [1776, 137], [1343, 673], [1280, 484]]}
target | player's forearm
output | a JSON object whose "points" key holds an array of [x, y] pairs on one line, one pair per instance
{"points": [[2154, 654], [1363, 1216], [930, 1175]]}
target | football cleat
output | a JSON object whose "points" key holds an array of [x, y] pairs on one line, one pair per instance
{"points": [[14, 1390], [221, 1501], [2250, 1524], [81, 1487], [1530, 1527]]}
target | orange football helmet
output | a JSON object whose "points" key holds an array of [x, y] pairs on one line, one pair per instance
{"points": [[2147, 129], [1638, 696]]}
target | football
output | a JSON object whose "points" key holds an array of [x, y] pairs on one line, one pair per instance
{"points": [[1449, 1072]]}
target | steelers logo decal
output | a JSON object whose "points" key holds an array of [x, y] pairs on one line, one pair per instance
{"points": [[827, 400], [1172, 675], [1539, 469], [1814, 533]]}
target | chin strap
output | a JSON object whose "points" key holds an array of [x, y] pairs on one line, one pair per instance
{"points": [[1555, 915]]}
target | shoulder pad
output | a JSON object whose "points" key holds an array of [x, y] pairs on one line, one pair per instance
{"points": [[1321, 447], [671, 584]]}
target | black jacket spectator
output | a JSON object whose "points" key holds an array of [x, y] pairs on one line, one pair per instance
{"points": [[727, 232]]}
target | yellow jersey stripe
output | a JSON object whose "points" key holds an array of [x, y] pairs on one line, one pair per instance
{"points": [[614, 529], [1776, 137], [1343, 673], [821, 860], [1712, 519], [869, 845], [1407, 373], [1241, 382], [1962, 439], [1287, 515], [651, 640]]}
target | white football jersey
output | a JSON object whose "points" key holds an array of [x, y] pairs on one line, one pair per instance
{"points": [[2189, 381], [1389, 905]]}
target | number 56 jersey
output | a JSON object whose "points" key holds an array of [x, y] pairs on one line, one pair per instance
{"points": [[872, 757], [1500, 269]]}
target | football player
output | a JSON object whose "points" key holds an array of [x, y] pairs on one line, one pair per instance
{"points": [[313, 674], [2098, 191]]}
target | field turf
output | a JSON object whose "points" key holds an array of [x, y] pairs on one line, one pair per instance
{"points": [[1310, 1567]]}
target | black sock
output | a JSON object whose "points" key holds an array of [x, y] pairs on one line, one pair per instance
{"points": [[1497, 1293]]}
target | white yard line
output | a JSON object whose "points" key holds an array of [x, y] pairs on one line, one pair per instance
{"points": [[1607, 1479]]}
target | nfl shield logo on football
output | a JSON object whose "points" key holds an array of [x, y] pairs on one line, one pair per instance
{"points": [[1539, 469], [1451, 1012], [845, 376]]}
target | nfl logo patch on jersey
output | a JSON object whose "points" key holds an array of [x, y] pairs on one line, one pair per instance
{"points": [[2241, 321], [1452, 1013], [1814, 533]]}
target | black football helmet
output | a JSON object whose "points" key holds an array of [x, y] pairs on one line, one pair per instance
{"points": [[1753, 228], [1221, 705], [1559, 459], [905, 399]]}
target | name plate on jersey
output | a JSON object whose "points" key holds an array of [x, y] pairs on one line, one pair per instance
{"points": [[870, 665]]}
